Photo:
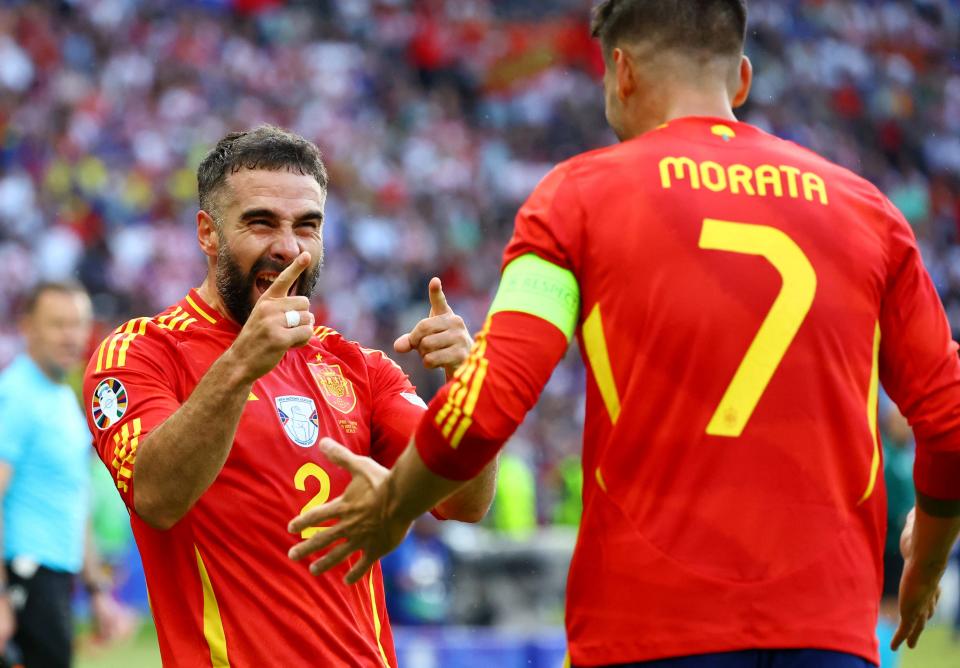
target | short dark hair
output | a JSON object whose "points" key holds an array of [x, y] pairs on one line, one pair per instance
{"points": [[264, 147], [33, 295], [715, 27]]}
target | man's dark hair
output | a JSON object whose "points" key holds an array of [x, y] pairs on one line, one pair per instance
{"points": [[264, 147], [712, 27], [32, 297]]}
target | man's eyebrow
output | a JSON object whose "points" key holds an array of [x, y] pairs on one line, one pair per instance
{"points": [[313, 214], [257, 213], [251, 214]]}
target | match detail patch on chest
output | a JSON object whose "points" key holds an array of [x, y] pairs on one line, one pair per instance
{"points": [[298, 415], [337, 391], [109, 403]]}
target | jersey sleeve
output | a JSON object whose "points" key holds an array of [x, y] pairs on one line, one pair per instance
{"points": [[472, 416], [396, 408], [919, 367], [129, 388], [547, 224], [531, 322]]}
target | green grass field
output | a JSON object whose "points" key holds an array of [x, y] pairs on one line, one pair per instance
{"points": [[934, 651]]}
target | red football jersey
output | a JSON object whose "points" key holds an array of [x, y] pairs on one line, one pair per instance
{"points": [[222, 589], [739, 299]]}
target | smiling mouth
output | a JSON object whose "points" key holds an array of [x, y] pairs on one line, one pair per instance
{"points": [[266, 279]]}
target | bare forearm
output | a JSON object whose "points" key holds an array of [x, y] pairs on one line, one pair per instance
{"points": [[180, 459], [936, 527], [471, 502], [412, 489]]}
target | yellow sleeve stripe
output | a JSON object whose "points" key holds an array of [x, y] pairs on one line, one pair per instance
{"points": [[203, 314], [100, 356], [162, 320], [111, 348], [872, 395], [140, 325], [109, 355], [176, 320], [456, 416], [126, 443]]}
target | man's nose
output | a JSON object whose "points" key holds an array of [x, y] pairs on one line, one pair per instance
{"points": [[285, 247]]}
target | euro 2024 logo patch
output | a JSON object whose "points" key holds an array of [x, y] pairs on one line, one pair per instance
{"points": [[298, 415], [109, 403]]}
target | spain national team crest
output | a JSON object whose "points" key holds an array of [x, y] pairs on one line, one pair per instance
{"points": [[298, 415], [109, 403], [335, 388]]}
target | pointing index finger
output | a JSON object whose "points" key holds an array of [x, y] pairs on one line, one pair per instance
{"points": [[438, 301], [288, 276]]}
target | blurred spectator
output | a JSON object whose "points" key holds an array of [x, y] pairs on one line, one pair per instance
{"points": [[514, 511], [417, 575], [44, 482]]}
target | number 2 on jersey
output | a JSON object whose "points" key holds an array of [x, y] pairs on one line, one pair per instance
{"points": [[778, 329], [305, 472]]}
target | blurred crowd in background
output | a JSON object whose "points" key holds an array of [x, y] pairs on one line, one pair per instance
{"points": [[436, 119]]}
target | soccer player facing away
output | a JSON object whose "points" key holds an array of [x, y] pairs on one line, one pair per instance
{"points": [[736, 299], [208, 417]]}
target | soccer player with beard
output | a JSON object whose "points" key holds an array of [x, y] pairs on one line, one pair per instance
{"points": [[736, 299], [220, 401]]}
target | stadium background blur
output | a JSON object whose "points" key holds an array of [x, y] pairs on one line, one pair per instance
{"points": [[436, 119]]}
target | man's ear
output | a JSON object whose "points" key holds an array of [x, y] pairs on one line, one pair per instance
{"points": [[207, 234], [746, 80], [625, 76]]}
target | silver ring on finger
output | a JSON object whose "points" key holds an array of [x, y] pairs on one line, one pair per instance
{"points": [[293, 318]]}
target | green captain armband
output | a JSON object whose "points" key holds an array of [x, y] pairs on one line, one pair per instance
{"points": [[532, 285]]}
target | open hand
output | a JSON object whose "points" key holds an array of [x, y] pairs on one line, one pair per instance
{"points": [[361, 513], [266, 336], [441, 339]]}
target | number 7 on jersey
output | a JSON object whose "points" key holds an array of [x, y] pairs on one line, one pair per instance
{"points": [[778, 329]]}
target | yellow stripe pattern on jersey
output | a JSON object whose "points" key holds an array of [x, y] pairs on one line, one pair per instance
{"points": [[212, 622], [126, 442], [456, 416], [872, 395]]}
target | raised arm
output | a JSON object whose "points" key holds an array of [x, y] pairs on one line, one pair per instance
{"points": [[182, 456], [531, 322]]}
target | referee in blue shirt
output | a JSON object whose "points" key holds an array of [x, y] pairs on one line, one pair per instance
{"points": [[44, 483]]}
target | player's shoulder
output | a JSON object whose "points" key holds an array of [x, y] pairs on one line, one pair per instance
{"points": [[337, 344], [853, 186], [598, 158], [144, 338]]}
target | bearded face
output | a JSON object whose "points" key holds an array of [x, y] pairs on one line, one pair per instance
{"points": [[240, 289], [265, 219]]}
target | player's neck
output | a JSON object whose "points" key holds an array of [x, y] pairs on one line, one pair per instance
{"points": [[683, 102], [716, 106], [208, 292]]}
